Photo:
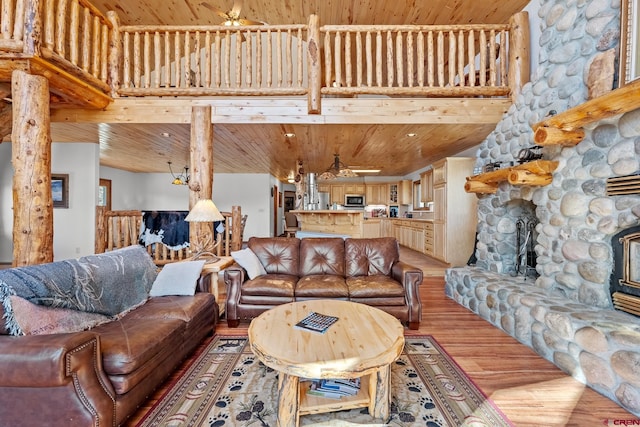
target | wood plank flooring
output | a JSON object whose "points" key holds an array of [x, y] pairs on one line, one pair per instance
{"points": [[527, 388]]}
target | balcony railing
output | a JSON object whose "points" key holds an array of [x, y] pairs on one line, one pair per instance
{"points": [[269, 60]]}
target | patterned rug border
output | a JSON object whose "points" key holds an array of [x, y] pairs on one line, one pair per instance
{"points": [[206, 345]]}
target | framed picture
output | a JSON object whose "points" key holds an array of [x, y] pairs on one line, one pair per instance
{"points": [[629, 41], [60, 190]]}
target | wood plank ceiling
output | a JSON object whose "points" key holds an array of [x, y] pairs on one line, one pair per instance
{"points": [[262, 148]]}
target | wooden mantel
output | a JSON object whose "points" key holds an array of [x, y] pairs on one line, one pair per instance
{"points": [[566, 128], [537, 173]]}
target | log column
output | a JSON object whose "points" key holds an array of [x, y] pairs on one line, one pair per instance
{"points": [[31, 160], [201, 167]]}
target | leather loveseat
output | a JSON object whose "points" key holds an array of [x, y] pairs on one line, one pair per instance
{"points": [[360, 270], [98, 377]]}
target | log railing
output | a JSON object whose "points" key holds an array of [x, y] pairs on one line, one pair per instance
{"points": [[213, 60], [72, 34]]}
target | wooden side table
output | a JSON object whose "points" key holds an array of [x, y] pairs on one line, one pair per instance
{"points": [[362, 343], [214, 268]]}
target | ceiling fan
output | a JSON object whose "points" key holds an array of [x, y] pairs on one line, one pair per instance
{"points": [[232, 17]]}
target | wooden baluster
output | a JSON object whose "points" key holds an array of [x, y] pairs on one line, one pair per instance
{"points": [[7, 19], [136, 60], [483, 58], [95, 47], [248, 59], [86, 39], [492, 58], [289, 59], [127, 60], [369, 53], [347, 59], [177, 55], [269, 58], [460, 69], [197, 61], [300, 59], [399, 59], [431, 60], [259, 58], [19, 16], [227, 60], [218, 61], [327, 59], [379, 63], [390, 69], [61, 28], [410, 63], [207, 59], [187, 59], [359, 67], [238, 55], [471, 55], [441, 81], [421, 64], [337, 52], [452, 59], [104, 52], [156, 56], [279, 57], [73, 32], [503, 64], [49, 24]]}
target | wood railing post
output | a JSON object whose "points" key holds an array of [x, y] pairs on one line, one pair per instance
{"points": [[33, 28], [236, 228], [519, 55], [115, 53], [315, 65]]}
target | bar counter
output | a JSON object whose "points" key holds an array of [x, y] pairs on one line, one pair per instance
{"points": [[340, 222]]}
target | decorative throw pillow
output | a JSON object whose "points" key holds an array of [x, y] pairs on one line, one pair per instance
{"points": [[249, 261], [177, 278], [33, 319]]}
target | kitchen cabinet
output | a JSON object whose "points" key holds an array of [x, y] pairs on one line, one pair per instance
{"points": [[354, 188], [393, 193], [371, 228], [454, 211], [324, 187], [386, 228], [376, 194], [405, 188], [428, 238], [426, 186], [337, 194]]}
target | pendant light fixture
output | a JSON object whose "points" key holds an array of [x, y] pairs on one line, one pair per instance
{"points": [[182, 178], [337, 170]]}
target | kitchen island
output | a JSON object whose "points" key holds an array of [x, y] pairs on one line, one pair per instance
{"points": [[346, 222]]}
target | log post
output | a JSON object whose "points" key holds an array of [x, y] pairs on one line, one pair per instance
{"points": [[519, 55], [31, 160], [33, 28], [6, 118], [201, 160], [236, 228], [101, 230], [114, 53], [315, 67]]}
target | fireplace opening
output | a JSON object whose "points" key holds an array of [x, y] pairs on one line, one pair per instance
{"points": [[526, 237], [625, 278]]}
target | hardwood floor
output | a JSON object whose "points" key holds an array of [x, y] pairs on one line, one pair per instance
{"points": [[527, 388]]}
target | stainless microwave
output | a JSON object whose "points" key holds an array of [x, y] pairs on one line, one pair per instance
{"points": [[354, 201]]}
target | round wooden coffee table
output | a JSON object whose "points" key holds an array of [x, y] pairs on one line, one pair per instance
{"points": [[361, 344]]}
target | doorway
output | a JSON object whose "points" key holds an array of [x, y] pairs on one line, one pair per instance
{"points": [[104, 193]]}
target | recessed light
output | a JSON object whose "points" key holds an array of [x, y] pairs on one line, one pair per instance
{"points": [[289, 135], [411, 135], [366, 170], [166, 134]]}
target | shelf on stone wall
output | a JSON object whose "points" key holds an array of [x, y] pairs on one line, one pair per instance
{"points": [[566, 128], [537, 173]]}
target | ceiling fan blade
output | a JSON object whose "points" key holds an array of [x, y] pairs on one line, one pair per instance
{"points": [[223, 15], [249, 22], [235, 10]]}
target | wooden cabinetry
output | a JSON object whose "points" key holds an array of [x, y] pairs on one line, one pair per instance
{"points": [[404, 192], [454, 215], [428, 238], [410, 233], [371, 228], [337, 194], [354, 188], [393, 193], [426, 186], [376, 194], [324, 187]]}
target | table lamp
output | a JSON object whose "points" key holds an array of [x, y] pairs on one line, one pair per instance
{"points": [[204, 211]]}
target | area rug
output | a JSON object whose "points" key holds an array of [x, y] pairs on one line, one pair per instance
{"points": [[228, 386]]}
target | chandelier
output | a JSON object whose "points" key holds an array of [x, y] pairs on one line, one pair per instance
{"points": [[182, 178], [337, 170]]}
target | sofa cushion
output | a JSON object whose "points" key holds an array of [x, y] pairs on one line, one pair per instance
{"points": [[321, 256], [364, 257], [131, 342], [377, 286], [274, 285], [278, 255], [321, 286], [184, 308]]}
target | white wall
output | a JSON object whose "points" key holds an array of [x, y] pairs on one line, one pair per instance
{"points": [[6, 203]]}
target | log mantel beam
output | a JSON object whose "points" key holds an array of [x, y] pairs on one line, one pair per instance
{"points": [[537, 173]]}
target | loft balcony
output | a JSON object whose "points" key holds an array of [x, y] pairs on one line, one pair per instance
{"points": [[90, 59]]}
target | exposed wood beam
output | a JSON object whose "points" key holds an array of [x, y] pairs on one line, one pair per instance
{"points": [[290, 111]]}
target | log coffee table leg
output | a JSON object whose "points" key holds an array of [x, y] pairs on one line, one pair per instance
{"points": [[380, 392], [288, 400]]}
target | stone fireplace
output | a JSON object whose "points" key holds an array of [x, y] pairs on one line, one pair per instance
{"points": [[566, 314]]}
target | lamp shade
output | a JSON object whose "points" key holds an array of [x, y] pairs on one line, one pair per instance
{"points": [[204, 211]]}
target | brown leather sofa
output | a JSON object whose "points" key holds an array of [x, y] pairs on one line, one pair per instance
{"points": [[361, 270], [99, 377]]}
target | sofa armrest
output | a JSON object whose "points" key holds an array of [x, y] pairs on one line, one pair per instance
{"points": [[204, 282], [63, 368], [234, 277], [410, 277]]}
